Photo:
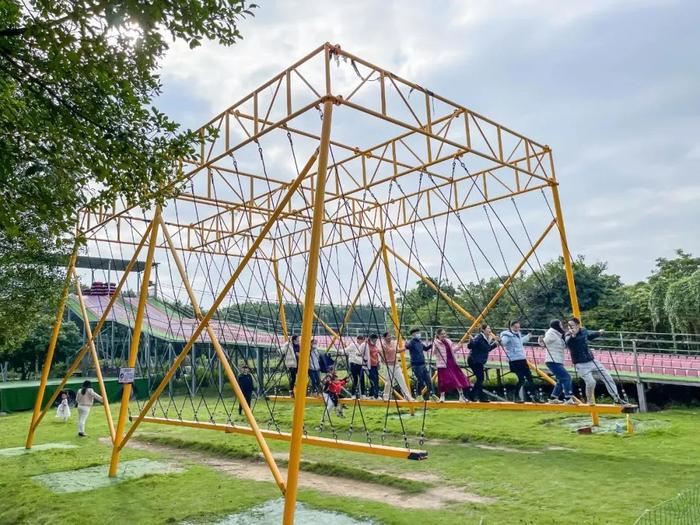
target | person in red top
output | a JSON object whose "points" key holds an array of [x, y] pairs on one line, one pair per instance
{"points": [[332, 388], [373, 345]]}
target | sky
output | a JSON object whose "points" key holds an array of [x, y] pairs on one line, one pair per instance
{"points": [[612, 86]]}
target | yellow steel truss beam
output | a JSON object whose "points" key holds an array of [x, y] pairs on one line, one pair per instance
{"points": [[454, 304], [219, 299]]}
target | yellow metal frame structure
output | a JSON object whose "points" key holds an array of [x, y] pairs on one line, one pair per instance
{"points": [[336, 198]]}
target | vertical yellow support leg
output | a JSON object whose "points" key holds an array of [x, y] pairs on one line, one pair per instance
{"points": [[133, 349], [95, 358], [566, 254], [629, 424], [394, 311], [290, 497], [595, 418], [52, 347]]}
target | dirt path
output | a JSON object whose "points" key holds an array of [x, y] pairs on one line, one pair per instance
{"points": [[432, 498]]}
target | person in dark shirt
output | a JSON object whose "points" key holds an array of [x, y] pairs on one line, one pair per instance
{"points": [[479, 348], [245, 381], [587, 366], [417, 349]]}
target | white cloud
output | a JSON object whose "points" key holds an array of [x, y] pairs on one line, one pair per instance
{"points": [[607, 83]]}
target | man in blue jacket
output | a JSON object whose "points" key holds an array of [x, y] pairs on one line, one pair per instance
{"points": [[587, 366], [417, 349], [512, 342]]}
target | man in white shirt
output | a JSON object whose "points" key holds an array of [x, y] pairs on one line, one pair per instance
{"points": [[358, 357]]}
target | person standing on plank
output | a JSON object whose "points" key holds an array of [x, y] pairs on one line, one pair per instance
{"points": [[85, 398], [357, 358], [394, 373], [373, 351], [245, 381], [450, 375], [555, 345], [290, 352], [587, 366], [479, 348], [512, 341], [417, 349], [314, 369]]}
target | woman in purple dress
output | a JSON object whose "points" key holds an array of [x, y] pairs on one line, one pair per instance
{"points": [[450, 375]]}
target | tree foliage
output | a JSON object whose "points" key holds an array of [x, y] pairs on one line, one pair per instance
{"points": [[78, 127], [27, 358], [668, 272], [77, 83]]}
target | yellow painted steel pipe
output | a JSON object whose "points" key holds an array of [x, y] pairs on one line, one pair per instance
{"points": [[290, 497], [135, 339], [336, 444], [267, 454], [454, 304], [95, 358], [98, 327], [394, 311], [474, 405], [281, 205], [507, 283], [52, 347], [566, 253]]}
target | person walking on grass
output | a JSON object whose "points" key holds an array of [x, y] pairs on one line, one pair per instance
{"points": [[587, 366], [450, 375], [290, 354], [394, 372], [512, 341], [479, 348], [245, 381], [555, 346], [417, 349], [85, 398]]}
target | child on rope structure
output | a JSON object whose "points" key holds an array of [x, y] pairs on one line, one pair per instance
{"points": [[587, 366], [555, 345], [245, 381], [332, 388], [479, 348], [512, 341], [358, 357], [394, 372], [290, 353], [63, 410], [450, 375], [417, 349], [373, 351]]}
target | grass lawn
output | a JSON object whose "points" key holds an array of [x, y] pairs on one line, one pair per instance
{"points": [[536, 469]]}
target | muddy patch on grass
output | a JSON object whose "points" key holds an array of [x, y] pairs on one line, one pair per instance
{"points": [[432, 498]]}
